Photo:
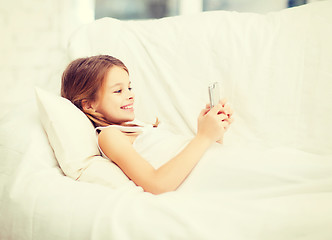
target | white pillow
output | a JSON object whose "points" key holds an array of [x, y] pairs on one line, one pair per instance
{"points": [[73, 139]]}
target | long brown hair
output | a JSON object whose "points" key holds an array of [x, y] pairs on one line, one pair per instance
{"points": [[82, 80]]}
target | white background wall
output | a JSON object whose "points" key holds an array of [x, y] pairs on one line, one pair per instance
{"points": [[33, 38]]}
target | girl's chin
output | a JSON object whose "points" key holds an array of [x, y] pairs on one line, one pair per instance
{"points": [[129, 119], [123, 118]]}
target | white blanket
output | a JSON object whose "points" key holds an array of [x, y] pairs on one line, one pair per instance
{"points": [[271, 179]]}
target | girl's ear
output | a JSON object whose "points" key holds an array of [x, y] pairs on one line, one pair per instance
{"points": [[87, 106]]}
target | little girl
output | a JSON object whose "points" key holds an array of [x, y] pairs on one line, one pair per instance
{"points": [[100, 87]]}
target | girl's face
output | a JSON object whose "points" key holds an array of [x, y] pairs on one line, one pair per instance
{"points": [[115, 99]]}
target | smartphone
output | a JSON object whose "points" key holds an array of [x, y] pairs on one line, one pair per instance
{"points": [[214, 93]]}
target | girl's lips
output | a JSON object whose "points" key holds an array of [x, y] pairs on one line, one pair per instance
{"points": [[128, 106]]}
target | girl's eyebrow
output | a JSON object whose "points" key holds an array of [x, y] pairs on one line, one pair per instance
{"points": [[119, 84], [115, 85]]}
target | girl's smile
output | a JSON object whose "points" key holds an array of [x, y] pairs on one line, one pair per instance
{"points": [[129, 107]]}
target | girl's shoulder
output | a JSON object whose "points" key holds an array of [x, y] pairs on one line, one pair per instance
{"points": [[109, 132], [112, 138]]}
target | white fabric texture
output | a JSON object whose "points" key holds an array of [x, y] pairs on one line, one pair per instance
{"points": [[73, 140], [271, 179], [70, 132]]}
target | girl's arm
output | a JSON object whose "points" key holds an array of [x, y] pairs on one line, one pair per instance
{"points": [[169, 176]]}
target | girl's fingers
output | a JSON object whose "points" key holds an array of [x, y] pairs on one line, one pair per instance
{"points": [[222, 116], [203, 112], [216, 109], [223, 101], [223, 108], [225, 124]]}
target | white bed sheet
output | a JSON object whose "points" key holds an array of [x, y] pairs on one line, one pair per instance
{"points": [[271, 179], [39, 202]]}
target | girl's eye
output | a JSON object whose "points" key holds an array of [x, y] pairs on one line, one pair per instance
{"points": [[120, 90]]}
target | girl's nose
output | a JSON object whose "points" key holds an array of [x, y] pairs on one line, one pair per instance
{"points": [[130, 94]]}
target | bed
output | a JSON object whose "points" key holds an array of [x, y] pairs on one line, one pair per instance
{"points": [[275, 165]]}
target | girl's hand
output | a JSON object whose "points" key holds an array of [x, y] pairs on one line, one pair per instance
{"points": [[227, 111], [211, 124]]}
